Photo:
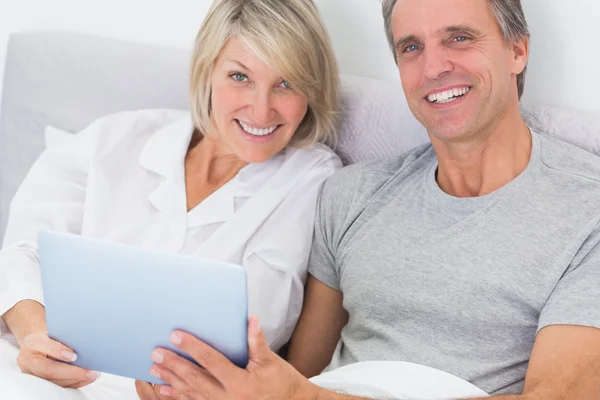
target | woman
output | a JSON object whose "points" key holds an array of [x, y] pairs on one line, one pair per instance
{"points": [[236, 181]]}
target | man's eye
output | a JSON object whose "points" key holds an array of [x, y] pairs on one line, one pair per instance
{"points": [[460, 39], [285, 85], [411, 48], [239, 77]]}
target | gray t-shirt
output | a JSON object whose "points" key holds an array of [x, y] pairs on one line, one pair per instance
{"points": [[461, 284]]}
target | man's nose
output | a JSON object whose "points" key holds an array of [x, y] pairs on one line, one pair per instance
{"points": [[437, 62]]}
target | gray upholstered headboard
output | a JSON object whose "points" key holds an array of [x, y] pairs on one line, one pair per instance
{"points": [[68, 80]]}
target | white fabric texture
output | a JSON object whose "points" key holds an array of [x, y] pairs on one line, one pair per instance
{"points": [[581, 129], [397, 380], [122, 179], [55, 136]]}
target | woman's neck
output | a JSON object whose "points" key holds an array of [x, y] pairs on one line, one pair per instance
{"points": [[209, 161]]}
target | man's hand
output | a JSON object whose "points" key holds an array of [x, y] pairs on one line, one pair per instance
{"points": [[266, 377], [39, 354], [147, 391]]}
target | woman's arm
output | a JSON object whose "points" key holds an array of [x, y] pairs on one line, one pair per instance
{"points": [[27, 316], [51, 196], [318, 330]]}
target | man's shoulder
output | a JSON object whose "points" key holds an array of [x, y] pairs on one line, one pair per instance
{"points": [[360, 182]]}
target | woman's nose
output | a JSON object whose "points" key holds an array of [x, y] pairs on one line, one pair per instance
{"points": [[262, 106]]}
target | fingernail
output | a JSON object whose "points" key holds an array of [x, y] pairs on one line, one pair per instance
{"points": [[175, 338], [92, 375], [158, 357], [256, 328], [165, 391], [154, 372], [69, 355]]}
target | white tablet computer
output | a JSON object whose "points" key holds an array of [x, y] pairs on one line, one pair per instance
{"points": [[113, 304]]}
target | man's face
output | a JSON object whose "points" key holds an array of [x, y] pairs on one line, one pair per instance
{"points": [[458, 72]]}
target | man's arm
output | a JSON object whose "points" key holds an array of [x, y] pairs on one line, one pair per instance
{"points": [[564, 365], [318, 330]]}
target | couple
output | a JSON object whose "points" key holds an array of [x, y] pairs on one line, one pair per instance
{"points": [[465, 254]]}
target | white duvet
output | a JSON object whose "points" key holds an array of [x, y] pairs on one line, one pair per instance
{"points": [[375, 379], [397, 380]]}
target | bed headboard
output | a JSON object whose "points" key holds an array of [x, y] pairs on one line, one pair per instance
{"points": [[67, 80]]}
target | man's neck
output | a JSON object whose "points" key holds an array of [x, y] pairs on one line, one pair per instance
{"points": [[485, 162]]}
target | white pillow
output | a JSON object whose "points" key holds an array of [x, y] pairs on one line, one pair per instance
{"points": [[576, 127], [54, 136]]}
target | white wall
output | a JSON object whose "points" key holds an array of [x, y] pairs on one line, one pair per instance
{"points": [[563, 67]]}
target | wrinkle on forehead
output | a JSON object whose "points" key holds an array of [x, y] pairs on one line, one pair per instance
{"points": [[431, 18]]}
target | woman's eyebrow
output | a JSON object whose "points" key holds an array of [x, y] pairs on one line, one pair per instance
{"points": [[239, 63]]}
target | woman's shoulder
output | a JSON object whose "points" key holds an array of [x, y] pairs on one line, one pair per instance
{"points": [[316, 155], [128, 125], [150, 117]]}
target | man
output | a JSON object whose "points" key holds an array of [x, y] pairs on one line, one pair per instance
{"points": [[477, 254]]}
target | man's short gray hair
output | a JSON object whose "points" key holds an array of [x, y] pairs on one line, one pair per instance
{"points": [[509, 15]]}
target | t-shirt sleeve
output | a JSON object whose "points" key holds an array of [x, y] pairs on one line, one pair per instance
{"points": [[342, 199], [322, 263], [333, 209], [576, 297]]}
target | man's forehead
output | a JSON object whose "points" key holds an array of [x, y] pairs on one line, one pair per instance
{"points": [[434, 17]]}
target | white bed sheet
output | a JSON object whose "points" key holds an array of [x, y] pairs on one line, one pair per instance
{"points": [[375, 379]]}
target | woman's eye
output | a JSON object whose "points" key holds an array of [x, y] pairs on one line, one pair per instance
{"points": [[285, 84], [239, 77], [411, 48]]}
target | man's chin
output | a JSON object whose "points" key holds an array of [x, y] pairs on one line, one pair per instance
{"points": [[448, 132]]}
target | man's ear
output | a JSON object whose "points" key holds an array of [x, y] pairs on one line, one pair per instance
{"points": [[520, 54]]}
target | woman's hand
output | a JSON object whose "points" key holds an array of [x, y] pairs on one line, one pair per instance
{"points": [[39, 355]]}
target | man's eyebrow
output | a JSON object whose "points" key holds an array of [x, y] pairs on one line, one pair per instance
{"points": [[405, 39], [449, 29], [461, 28], [239, 63]]}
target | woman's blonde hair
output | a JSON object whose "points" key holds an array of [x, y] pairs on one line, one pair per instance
{"points": [[290, 37]]}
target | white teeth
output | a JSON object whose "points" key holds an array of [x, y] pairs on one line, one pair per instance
{"points": [[256, 131], [448, 95]]}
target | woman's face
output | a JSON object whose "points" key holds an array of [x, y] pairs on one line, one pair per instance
{"points": [[254, 110]]}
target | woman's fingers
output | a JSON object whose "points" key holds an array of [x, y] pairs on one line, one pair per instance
{"points": [[39, 355], [40, 342], [38, 365]]}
